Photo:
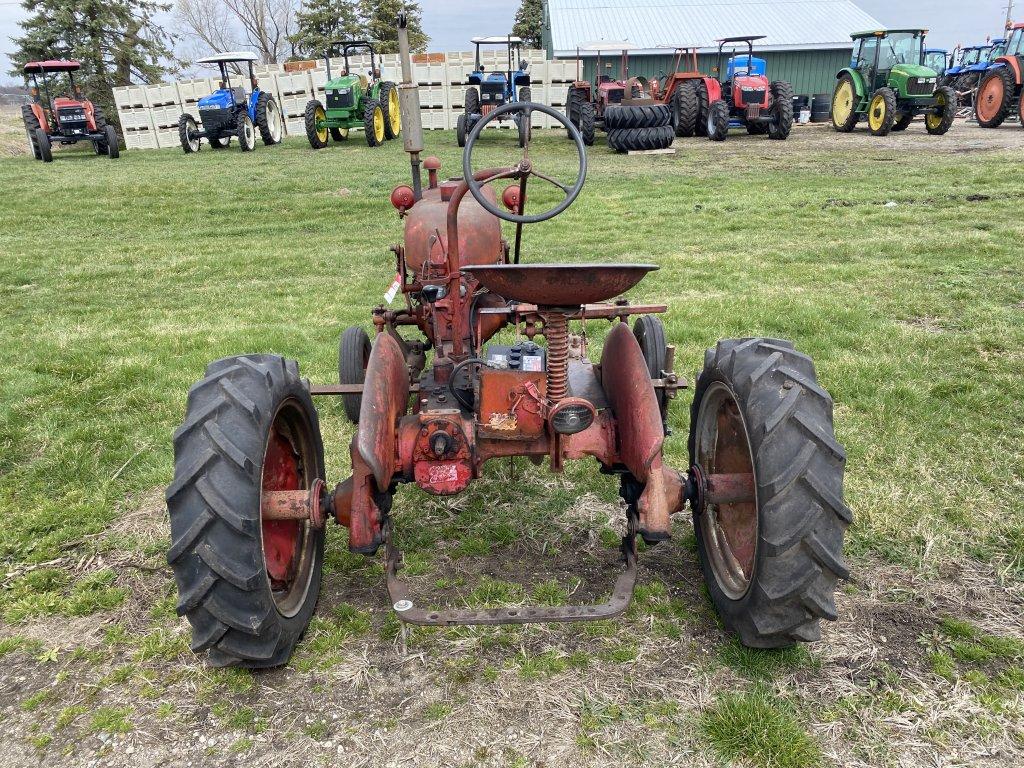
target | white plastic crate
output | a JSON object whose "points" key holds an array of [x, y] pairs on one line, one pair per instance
{"points": [[562, 71], [168, 138], [430, 73], [437, 119], [130, 96], [295, 126], [140, 138], [458, 74], [294, 106], [135, 119], [317, 79], [191, 91], [433, 96], [166, 117], [459, 57], [161, 94], [293, 84]]}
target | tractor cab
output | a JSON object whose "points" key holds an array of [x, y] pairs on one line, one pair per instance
{"points": [[231, 111], [936, 59], [499, 87], [62, 119], [892, 59]]}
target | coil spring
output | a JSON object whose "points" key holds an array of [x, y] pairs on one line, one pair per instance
{"points": [[556, 331]]}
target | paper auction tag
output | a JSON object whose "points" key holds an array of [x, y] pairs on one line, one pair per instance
{"points": [[393, 290]]}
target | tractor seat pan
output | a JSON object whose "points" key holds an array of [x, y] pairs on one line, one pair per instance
{"points": [[559, 285]]}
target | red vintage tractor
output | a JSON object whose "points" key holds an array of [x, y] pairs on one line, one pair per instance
{"points": [[743, 97], [249, 499], [63, 119], [685, 92]]}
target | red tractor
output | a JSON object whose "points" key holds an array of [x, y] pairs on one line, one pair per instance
{"points": [[633, 121], [63, 119], [249, 499], [999, 93], [744, 98], [684, 91]]}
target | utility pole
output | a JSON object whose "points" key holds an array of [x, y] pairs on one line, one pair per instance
{"points": [[1009, 13]]}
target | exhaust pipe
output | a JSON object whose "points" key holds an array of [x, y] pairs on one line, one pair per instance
{"points": [[409, 107]]}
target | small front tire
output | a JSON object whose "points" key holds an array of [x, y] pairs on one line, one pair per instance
{"points": [[315, 119], [110, 142], [45, 149], [246, 133], [187, 130], [717, 127], [373, 123], [882, 112], [353, 355]]}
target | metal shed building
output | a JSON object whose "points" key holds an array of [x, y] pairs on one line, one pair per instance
{"points": [[807, 43]]}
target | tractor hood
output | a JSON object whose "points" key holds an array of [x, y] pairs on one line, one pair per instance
{"points": [[913, 70], [344, 81]]}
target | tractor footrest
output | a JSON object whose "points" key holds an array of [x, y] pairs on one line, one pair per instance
{"points": [[622, 596]]}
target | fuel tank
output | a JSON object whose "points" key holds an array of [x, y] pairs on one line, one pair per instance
{"points": [[427, 222]]}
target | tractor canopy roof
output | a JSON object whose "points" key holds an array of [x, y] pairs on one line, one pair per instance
{"points": [[936, 50], [509, 40], [225, 58], [349, 45], [51, 65], [887, 32], [741, 39]]}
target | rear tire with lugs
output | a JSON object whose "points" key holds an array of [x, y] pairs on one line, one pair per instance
{"points": [[633, 117], [248, 586], [771, 565], [641, 139]]}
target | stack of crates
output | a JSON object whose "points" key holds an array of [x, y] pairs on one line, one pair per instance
{"points": [[133, 114], [293, 90]]}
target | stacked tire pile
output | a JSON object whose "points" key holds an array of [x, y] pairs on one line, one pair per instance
{"points": [[637, 128]]}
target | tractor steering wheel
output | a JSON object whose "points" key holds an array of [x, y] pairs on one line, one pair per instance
{"points": [[524, 169]]}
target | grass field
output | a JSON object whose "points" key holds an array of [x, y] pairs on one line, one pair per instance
{"points": [[895, 263]]}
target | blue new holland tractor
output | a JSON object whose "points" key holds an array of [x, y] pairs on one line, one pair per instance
{"points": [[489, 90], [230, 111]]}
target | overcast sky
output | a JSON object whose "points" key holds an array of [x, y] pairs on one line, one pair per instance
{"points": [[450, 23]]}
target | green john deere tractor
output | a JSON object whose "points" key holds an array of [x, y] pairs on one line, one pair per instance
{"points": [[888, 85], [353, 101]]}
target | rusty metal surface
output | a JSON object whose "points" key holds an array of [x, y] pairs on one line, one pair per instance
{"points": [[560, 285], [730, 488], [409, 612], [479, 232], [627, 385], [385, 399], [508, 408], [589, 311]]}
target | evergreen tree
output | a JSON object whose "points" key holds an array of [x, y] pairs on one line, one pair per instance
{"points": [[321, 21], [117, 42], [380, 17], [530, 23]]}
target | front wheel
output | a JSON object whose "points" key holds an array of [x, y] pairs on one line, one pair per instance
{"points": [[246, 133], [247, 585], [373, 123], [187, 134], [45, 148], [588, 123], [460, 130], [940, 119], [718, 121], [315, 119], [268, 119], [111, 143], [882, 112], [353, 356], [772, 559], [389, 103], [523, 128]]}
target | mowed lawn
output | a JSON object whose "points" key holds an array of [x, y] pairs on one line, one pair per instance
{"points": [[895, 263]]}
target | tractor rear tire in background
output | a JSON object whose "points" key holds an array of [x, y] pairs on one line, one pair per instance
{"points": [[685, 108], [247, 586], [460, 129], [640, 139], [703, 105], [902, 122], [472, 102], [771, 565], [782, 111], [246, 133], [339, 134], [268, 119], [187, 129], [881, 112], [844, 105], [588, 123], [219, 142], [353, 355], [45, 149], [313, 117], [717, 124], [99, 117], [389, 105], [994, 97], [573, 100], [31, 126], [939, 125], [649, 332], [373, 123], [653, 116], [525, 93], [111, 142], [523, 128]]}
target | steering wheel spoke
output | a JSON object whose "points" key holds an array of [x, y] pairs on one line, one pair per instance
{"points": [[524, 169]]}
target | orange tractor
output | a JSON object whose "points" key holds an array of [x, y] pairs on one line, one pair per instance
{"points": [[437, 398], [685, 92], [69, 119], [999, 93]]}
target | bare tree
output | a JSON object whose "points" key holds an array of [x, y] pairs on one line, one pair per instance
{"points": [[262, 25]]}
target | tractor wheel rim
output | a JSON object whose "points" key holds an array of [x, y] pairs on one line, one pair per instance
{"points": [[190, 131], [274, 121], [396, 119], [343, 132], [934, 120], [842, 104], [378, 124], [730, 530], [877, 116], [990, 98], [288, 545], [321, 124], [250, 136]]}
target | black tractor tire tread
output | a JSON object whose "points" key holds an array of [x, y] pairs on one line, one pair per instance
{"points": [[111, 144], [649, 332], [213, 502], [471, 102], [353, 348], [1009, 88], [45, 147], [686, 108], [703, 104], [309, 120], [620, 117], [799, 469], [183, 123], [782, 110], [385, 89], [719, 113], [461, 129], [890, 111], [240, 133], [368, 111], [952, 103], [31, 125], [588, 123], [902, 122], [262, 123], [218, 142], [526, 93], [639, 139]]}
